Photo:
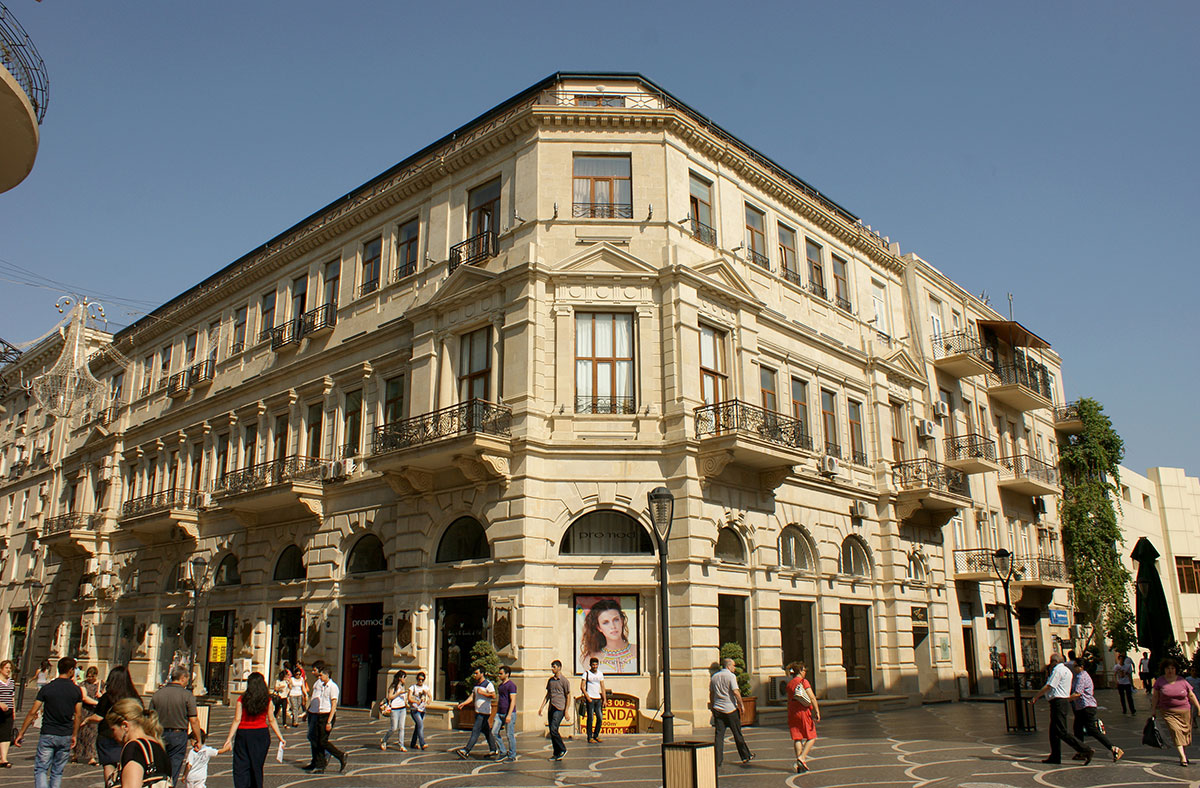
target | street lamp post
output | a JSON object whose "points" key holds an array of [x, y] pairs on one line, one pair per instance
{"points": [[199, 569], [40, 587], [662, 508], [1002, 562]]}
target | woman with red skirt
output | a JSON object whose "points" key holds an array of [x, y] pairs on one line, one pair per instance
{"points": [[803, 714]]}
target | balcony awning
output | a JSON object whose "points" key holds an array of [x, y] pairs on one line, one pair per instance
{"points": [[1013, 333]]}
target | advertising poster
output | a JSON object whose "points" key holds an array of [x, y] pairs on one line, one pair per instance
{"points": [[606, 627]]}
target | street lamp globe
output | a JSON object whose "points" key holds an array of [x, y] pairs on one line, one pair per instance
{"points": [[1002, 562], [662, 509], [199, 565]]}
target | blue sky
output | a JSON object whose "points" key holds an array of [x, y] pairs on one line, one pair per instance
{"points": [[1042, 149]]}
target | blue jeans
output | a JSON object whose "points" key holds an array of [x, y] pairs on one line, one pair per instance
{"points": [[398, 718], [556, 718], [595, 714], [480, 726], [418, 719], [511, 727], [53, 752], [176, 745]]}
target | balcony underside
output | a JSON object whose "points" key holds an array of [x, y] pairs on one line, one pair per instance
{"points": [[71, 542], [471, 458], [1027, 485], [971, 465], [768, 463], [19, 133], [1018, 397], [288, 500], [974, 575], [962, 365], [162, 525], [1069, 425], [928, 506]]}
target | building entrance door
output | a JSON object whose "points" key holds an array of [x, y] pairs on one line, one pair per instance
{"points": [[285, 637], [856, 648], [796, 632], [971, 666], [462, 622], [363, 653], [219, 652]]}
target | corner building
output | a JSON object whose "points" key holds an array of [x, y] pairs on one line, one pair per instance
{"points": [[432, 411]]}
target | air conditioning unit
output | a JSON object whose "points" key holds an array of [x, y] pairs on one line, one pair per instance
{"points": [[924, 429], [859, 509], [348, 466], [327, 471], [989, 354], [777, 689], [830, 465], [941, 409]]}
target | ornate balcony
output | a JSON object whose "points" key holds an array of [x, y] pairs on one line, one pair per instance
{"points": [[1020, 388], [974, 565], [601, 210], [23, 91], [1028, 475], [971, 453], [276, 489], [757, 439], [1038, 572], [818, 290], [961, 355], [473, 437], [793, 276], [703, 233], [285, 335], [72, 534], [606, 405], [156, 516], [314, 321], [177, 385], [927, 485], [404, 270], [1067, 419], [475, 250], [758, 258]]}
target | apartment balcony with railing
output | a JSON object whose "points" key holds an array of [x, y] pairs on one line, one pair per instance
{"points": [[606, 405], [284, 335], [72, 534], [961, 354], [472, 437], [601, 210], [703, 233], [758, 258], [475, 250], [1020, 387], [752, 438], [194, 376], [23, 93], [929, 485], [1067, 419], [975, 564], [282, 488], [971, 453], [314, 321], [1027, 475], [162, 514], [1040, 572]]}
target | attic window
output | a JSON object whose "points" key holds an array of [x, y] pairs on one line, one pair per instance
{"points": [[598, 100]]}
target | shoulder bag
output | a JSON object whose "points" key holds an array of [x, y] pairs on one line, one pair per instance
{"points": [[801, 695], [1151, 737]]}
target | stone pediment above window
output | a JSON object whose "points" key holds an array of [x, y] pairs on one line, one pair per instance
{"points": [[900, 365], [604, 259], [464, 279], [721, 276]]}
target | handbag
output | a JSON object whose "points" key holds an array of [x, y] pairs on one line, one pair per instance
{"points": [[802, 696], [377, 710], [1151, 737]]}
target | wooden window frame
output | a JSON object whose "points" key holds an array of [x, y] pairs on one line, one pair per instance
{"points": [[393, 403], [816, 266], [407, 248], [467, 376], [372, 259], [718, 376], [595, 394], [788, 254], [771, 394], [756, 237]]}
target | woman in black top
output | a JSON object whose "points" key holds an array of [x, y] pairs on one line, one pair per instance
{"points": [[118, 687], [144, 761]]}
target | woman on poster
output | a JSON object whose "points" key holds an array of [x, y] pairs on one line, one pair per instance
{"points": [[606, 637]]}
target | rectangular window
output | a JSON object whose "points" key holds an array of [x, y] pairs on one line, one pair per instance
{"points": [[766, 385], [299, 296], [787, 254], [1185, 570], [239, 331], [266, 316], [280, 437], [222, 455], [393, 403], [164, 369], [371, 253], [483, 209], [598, 100], [898, 432], [249, 445], [713, 376], [879, 300], [604, 363], [313, 425], [189, 349], [408, 235], [117, 388], [475, 365], [829, 422], [147, 375], [197, 467], [603, 188], [700, 208], [333, 271], [352, 423], [213, 340], [756, 237], [935, 315], [816, 269], [800, 404], [947, 399], [841, 285], [858, 449]]}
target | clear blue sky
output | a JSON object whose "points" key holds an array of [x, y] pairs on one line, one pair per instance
{"points": [[1043, 149]]}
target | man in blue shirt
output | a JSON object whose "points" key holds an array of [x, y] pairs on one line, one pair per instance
{"points": [[1083, 700], [506, 716]]}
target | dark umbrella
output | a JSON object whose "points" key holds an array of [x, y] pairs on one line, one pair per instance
{"points": [[1153, 616]]}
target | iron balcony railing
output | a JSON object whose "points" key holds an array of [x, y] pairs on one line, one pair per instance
{"points": [[177, 384], [793, 276], [1068, 412], [349, 450], [927, 474], [269, 474], [759, 259], [844, 305], [974, 562], [703, 233], [285, 334], [161, 501], [473, 416], [236, 347], [146, 388], [858, 457], [1023, 376], [970, 447], [202, 372], [21, 58], [818, 290], [403, 270], [573, 98], [602, 210], [109, 414], [610, 405], [1037, 568], [476, 249], [833, 449], [71, 521], [314, 320], [17, 469], [960, 343], [1023, 466], [736, 416], [368, 287]]}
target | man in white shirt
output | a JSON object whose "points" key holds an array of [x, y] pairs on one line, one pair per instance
{"points": [[481, 695], [593, 691], [1058, 688], [322, 708], [1144, 672], [725, 701], [1124, 673]]}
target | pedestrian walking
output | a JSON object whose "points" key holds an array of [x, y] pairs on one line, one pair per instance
{"points": [[85, 747], [397, 704], [8, 706], [195, 768], [1172, 699], [1123, 671], [482, 693], [175, 706], [279, 694], [558, 696], [322, 710], [1058, 688], [248, 737], [297, 696], [118, 687], [803, 714], [725, 702], [419, 696], [1144, 672], [591, 687], [506, 716], [1083, 701], [144, 760], [61, 701]]}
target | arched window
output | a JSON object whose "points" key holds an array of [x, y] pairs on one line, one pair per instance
{"points": [[729, 547], [464, 540], [606, 532], [917, 571], [290, 565], [854, 559], [227, 572], [366, 556], [795, 551]]}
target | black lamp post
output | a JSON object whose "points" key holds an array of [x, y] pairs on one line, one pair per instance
{"points": [[199, 570], [1002, 563], [34, 599], [662, 509]]}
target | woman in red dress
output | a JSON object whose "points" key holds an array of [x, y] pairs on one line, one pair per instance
{"points": [[802, 717]]}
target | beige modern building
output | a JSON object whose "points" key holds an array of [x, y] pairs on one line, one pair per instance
{"points": [[23, 90], [431, 413]]}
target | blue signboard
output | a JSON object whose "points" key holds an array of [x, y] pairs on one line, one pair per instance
{"points": [[1059, 618]]}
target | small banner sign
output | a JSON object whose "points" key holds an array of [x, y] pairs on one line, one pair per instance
{"points": [[218, 649], [1059, 617], [620, 715]]}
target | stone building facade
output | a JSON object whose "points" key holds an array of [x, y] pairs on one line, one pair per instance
{"points": [[432, 411]]}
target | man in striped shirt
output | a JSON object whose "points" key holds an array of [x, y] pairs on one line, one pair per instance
{"points": [[1083, 700]]}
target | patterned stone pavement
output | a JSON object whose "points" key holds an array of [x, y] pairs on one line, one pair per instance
{"points": [[963, 745]]}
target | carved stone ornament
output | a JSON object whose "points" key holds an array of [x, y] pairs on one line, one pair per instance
{"points": [[404, 631], [502, 628], [313, 637], [714, 464], [772, 478]]}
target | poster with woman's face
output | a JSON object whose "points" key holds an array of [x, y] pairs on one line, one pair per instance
{"points": [[606, 628]]}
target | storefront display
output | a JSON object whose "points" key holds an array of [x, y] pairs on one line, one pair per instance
{"points": [[606, 627]]}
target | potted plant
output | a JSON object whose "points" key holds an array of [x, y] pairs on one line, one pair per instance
{"points": [[749, 702], [483, 656]]}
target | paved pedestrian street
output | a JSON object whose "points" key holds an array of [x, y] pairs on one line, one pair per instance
{"points": [[956, 744]]}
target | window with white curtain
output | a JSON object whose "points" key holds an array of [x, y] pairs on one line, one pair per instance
{"points": [[604, 363], [603, 187]]}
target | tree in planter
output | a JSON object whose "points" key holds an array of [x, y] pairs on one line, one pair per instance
{"points": [[734, 651], [1091, 537]]}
